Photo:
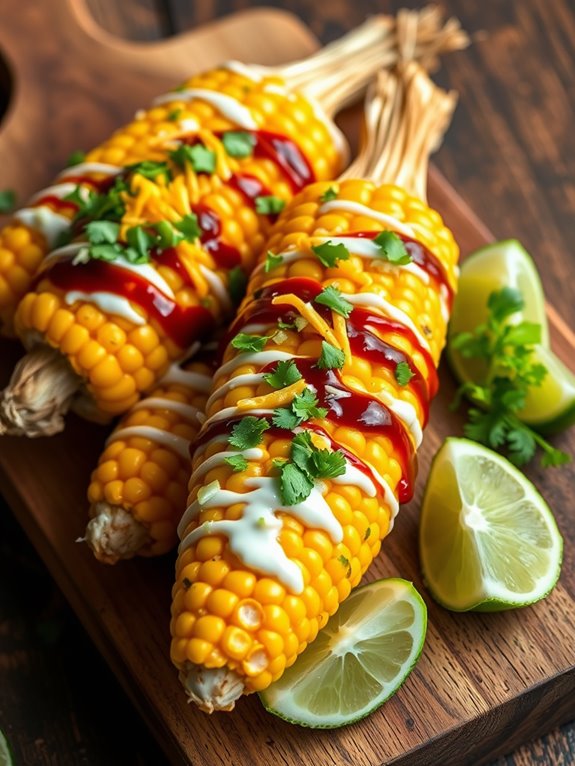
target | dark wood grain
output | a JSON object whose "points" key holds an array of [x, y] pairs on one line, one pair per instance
{"points": [[533, 153]]}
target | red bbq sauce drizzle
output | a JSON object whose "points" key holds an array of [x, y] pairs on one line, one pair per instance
{"points": [[183, 325]]}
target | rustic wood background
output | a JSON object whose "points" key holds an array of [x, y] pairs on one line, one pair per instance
{"points": [[511, 155]]}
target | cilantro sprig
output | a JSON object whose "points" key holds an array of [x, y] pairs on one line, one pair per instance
{"points": [[403, 373], [328, 195], [307, 463], [303, 407], [201, 159], [285, 374], [507, 350], [269, 204], [392, 248], [248, 432], [329, 254], [237, 462], [330, 357], [272, 261], [238, 144], [333, 299], [245, 342]]}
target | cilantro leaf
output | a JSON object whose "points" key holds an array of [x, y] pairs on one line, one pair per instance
{"points": [[188, 226], [99, 232], [269, 205], [295, 485], [245, 342], [331, 357], [248, 432], [237, 283], [202, 159], [237, 462], [283, 417], [238, 143], [285, 374], [166, 235], [329, 254], [328, 464], [392, 248], [304, 406], [105, 252], [141, 242], [76, 158], [150, 169], [174, 115], [7, 200], [272, 261], [328, 195], [403, 373], [333, 299], [507, 352]]}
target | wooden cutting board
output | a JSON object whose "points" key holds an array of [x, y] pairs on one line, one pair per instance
{"points": [[484, 683]]}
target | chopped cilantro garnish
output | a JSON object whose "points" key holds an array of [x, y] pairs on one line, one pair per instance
{"points": [[269, 205], [331, 357], [507, 350], [140, 242], [149, 169], [329, 254], [237, 282], [307, 463], [298, 324], [328, 195], [7, 200], [99, 232], [392, 248], [403, 373], [272, 261], [237, 462], [343, 560], [332, 298], [201, 159], [285, 374], [174, 115], [248, 432], [76, 158], [166, 235], [188, 226], [238, 144], [367, 533], [245, 342], [303, 407], [105, 252]]}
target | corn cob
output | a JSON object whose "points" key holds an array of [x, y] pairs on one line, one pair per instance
{"points": [[117, 345], [138, 489], [337, 340]]}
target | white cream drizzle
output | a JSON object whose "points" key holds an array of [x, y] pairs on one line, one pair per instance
{"points": [[109, 303], [217, 286], [187, 411], [240, 380], [356, 207], [228, 107], [45, 221], [258, 358], [59, 191], [187, 378], [372, 300], [213, 462], [172, 441], [85, 168], [405, 412], [254, 536]]}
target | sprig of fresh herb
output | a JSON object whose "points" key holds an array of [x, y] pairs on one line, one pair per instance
{"points": [[285, 374], [76, 158], [245, 342], [150, 169], [507, 351], [329, 254], [331, 357], [392, 248], [333, 299], [7, 200], [238, 144], [237, 283], [307, 463], [200, 158], [272, 261], [303, 407], [237, 462], [403, 373], [328, 195], [269, 205], [248, 432]]}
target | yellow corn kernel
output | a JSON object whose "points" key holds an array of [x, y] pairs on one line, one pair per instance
{"points": [[236, 642], [209, 628], [222, 603]]}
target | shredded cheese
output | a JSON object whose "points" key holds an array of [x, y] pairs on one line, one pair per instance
{"points": [[275, 399], [308, 312], [340, 331]]}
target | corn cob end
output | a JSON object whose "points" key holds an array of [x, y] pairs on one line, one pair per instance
{"points": [[211, 689], [114, 534], [38, 395]]}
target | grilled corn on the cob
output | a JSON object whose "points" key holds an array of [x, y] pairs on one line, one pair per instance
{"points": [[336, 342], [153, 250]]}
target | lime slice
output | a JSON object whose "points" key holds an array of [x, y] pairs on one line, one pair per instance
{"points": [[5, 755], [358, 660], [488, 541], [550, 407]]}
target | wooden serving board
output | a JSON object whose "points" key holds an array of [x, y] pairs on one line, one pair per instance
{"points": [[484, 683]]}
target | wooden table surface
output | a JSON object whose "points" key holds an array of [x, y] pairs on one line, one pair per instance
{"points": [[510, 153]]}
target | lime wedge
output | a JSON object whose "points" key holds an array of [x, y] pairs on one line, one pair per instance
{"points": [[550, 407], [358, 660], [5, 755], [487, 539]]}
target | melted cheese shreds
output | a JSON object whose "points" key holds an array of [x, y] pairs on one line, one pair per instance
{"points": [[340, 331], [308, 312], [275, 399]]}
